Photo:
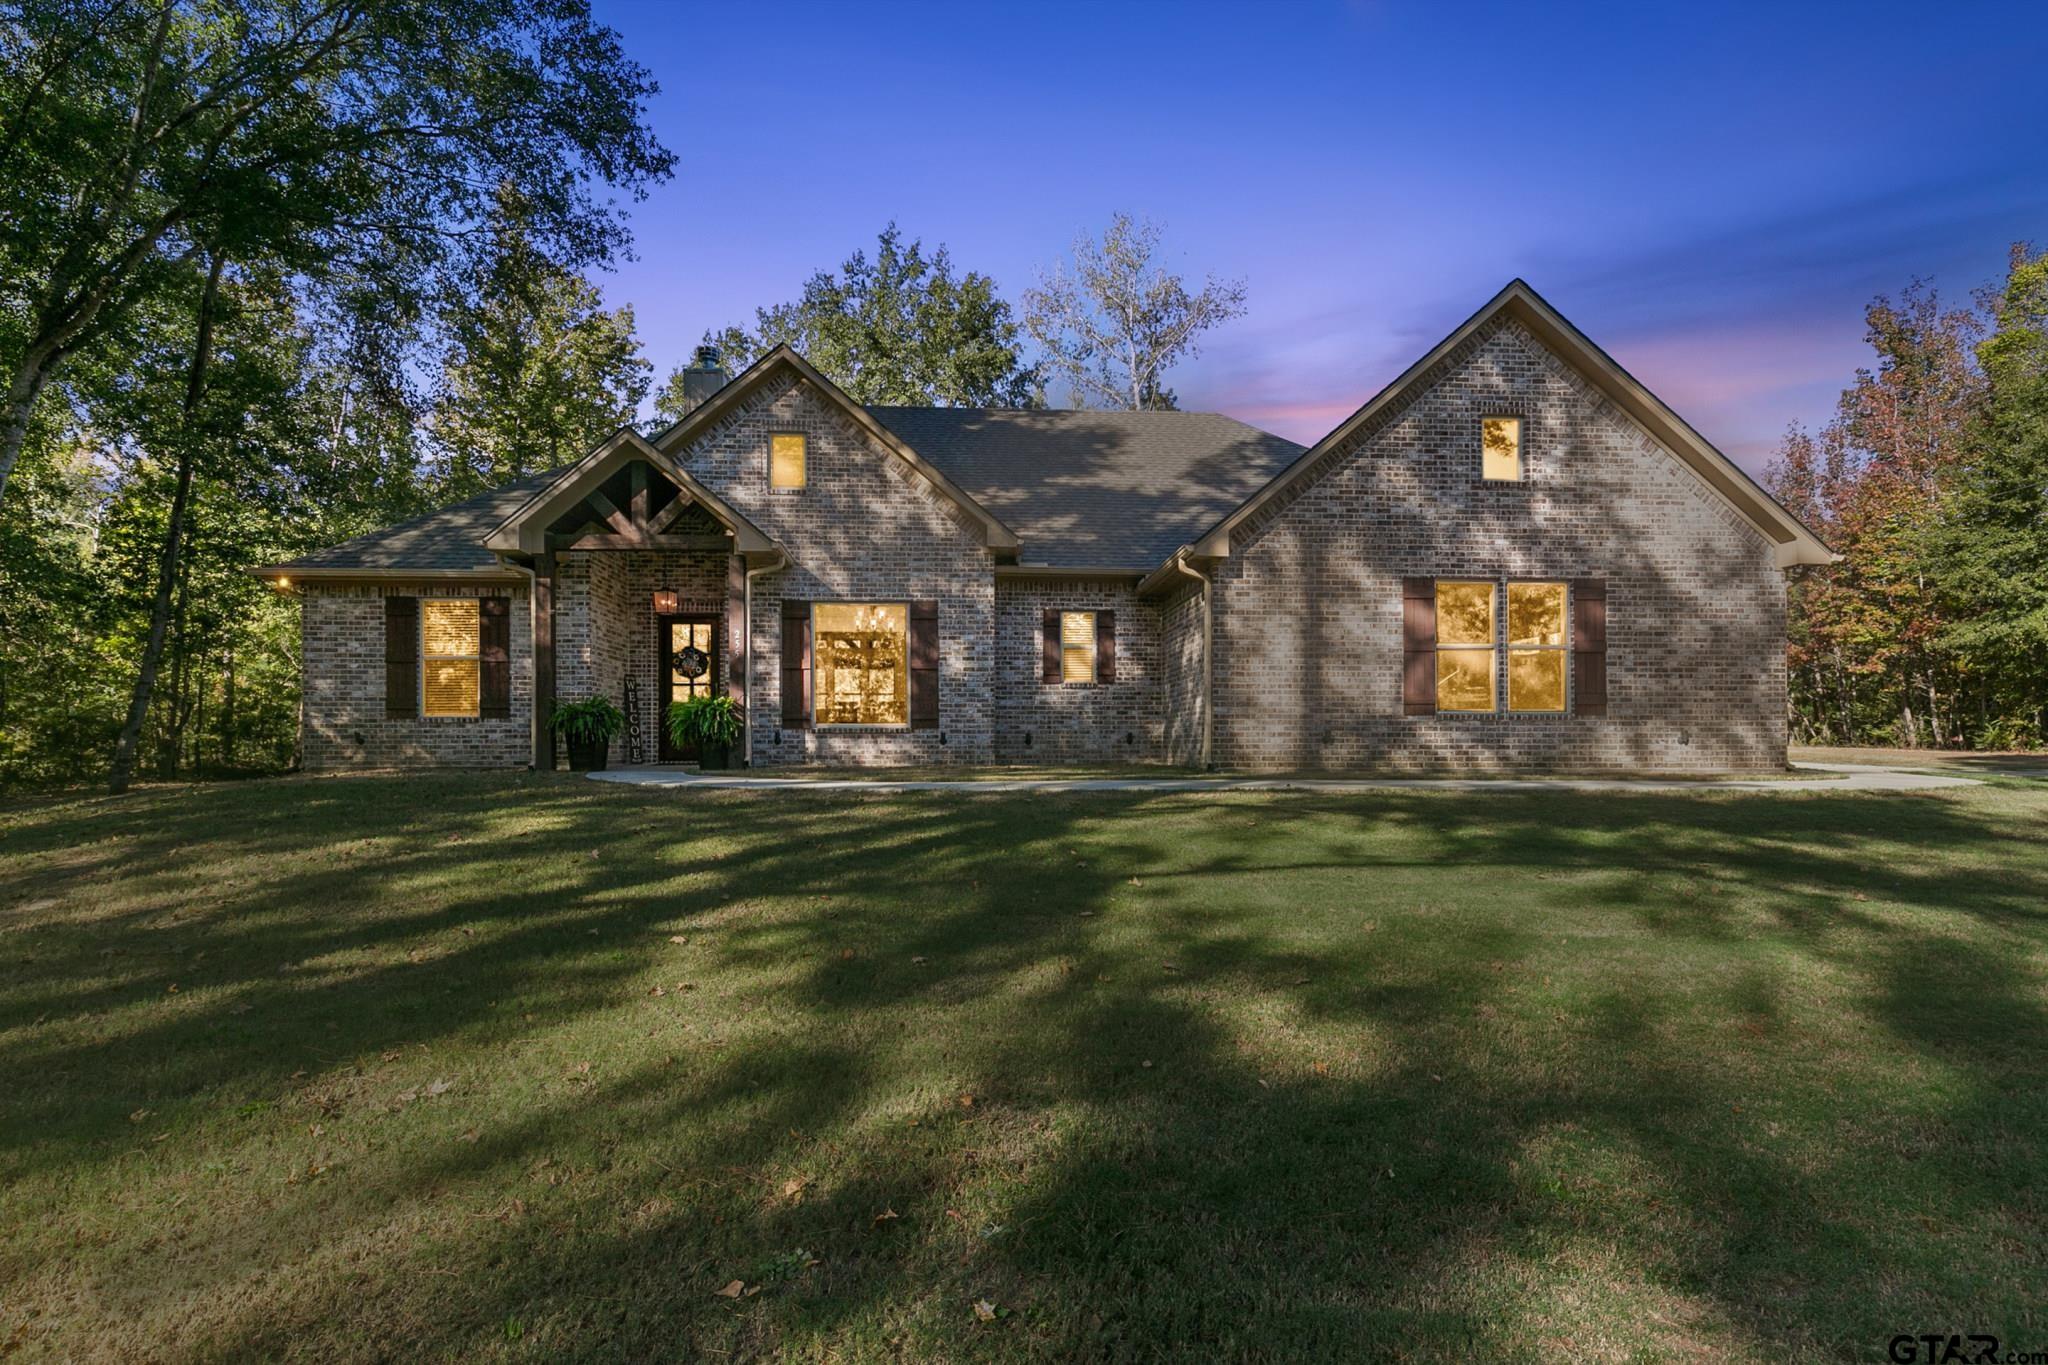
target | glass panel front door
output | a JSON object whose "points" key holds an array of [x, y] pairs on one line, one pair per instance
{"points": [[689, 668]]}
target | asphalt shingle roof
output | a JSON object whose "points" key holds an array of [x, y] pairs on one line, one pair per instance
{"points": [[1081, 489], [1096, 489], [452, 538]]}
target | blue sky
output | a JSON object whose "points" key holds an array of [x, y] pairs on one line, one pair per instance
{"points": [[1712, 193]]}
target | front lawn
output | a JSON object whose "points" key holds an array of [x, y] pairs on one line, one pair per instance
{"points": [[534, 1067]]}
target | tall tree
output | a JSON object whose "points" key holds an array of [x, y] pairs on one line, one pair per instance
{"points": [[1113, 322], [1992, 539], [537, 369], [1868, 629], [901, 328], [321, 134]]}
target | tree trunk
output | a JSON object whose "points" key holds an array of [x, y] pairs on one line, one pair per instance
{"points": [[167, 563], [21, 405]]}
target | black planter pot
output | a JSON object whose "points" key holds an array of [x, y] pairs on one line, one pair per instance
{"points": [[588, 755], [712, 757]]}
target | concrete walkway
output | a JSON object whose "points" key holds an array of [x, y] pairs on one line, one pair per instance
{"points": [[1847, 777]]}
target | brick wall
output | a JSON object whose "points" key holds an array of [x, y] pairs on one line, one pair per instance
{"points": [[342, 722], [864, 528], [1036, 721], [1180, 649], [1308, 606], [605, 625]]}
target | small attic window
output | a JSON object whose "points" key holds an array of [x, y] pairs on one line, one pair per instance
{"points": [[1500, 447], [786, 459]]}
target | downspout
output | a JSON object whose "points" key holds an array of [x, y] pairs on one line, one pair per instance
{"points": [[533, 711], [1208, 661]]}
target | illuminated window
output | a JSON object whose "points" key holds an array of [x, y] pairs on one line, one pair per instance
{"points": [[1465, 647], [862, 661], [786, 460], [1536, 651], [1500, 441], [448, 657], [1077, 646]]}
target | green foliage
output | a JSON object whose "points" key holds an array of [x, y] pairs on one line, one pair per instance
{"points": [[1932, 484], [716, 721], [593, 720], [901, 329], [536, 371]]}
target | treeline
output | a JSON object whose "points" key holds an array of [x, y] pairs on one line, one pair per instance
{"points": [[273, 275], [1931, 484]]}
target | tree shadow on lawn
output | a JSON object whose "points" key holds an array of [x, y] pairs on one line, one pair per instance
{"points": [[1525, 1074]]}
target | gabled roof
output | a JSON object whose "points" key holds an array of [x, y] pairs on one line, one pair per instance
{"points": [[995, 534], [525, 530], [1095, 489], [1795, 543]]}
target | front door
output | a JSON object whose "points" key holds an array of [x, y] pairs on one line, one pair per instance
{"points": [[688, 649]]}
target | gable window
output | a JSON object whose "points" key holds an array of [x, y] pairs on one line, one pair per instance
{"points": [[449, 657], [1465, 636], [1077, 646], [1500, 444], [786, 459], [862, 662], [1536, 646]]}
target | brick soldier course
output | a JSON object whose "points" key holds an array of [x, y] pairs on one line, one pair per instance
{"points": [[1260, 606]]}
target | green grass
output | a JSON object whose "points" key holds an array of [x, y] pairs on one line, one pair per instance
{"points": [[530, 1067]]}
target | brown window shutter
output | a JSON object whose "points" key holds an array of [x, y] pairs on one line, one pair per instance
{"points": [[924, 665], [402, 656], [1050, 654], [1589, 646], [1418, 646], [1105, 646], [736, 628], [796, 665], [494, 657]]}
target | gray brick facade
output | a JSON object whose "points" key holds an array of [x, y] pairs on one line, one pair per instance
{"points": [[1289, 658], [342, 722], [1100, 722], [863, 528], [1308, 612]]}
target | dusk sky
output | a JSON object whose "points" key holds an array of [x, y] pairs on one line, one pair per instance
{"points": [[1711, 193]]}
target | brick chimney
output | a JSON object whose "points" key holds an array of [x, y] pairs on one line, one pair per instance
{"points": [[704, 377]]}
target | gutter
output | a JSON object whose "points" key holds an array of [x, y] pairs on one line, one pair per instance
{"points": [[1179, 563]]}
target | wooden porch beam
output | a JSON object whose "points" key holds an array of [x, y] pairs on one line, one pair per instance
{"points": [[666, 517], [604, 508], [637, 472], [600, 541]]}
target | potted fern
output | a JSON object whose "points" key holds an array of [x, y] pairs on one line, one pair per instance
{"points": [[588, 726], [711, 725]]}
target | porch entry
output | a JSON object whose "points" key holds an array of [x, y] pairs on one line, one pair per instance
{"points": [[687, 647]]}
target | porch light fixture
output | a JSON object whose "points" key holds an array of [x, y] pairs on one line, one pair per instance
{"points": [[664, 601]]}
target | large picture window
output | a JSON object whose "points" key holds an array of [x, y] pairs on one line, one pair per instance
{"points": [[448, 657], [862, 661]]}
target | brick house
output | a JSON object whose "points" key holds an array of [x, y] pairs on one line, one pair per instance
{"points": [[1514, 556]]}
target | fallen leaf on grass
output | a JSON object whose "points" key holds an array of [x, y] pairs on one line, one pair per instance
{"points": [[678, 938], [967, 1101], [732, 1290], [469, 1136], [984, 1311], [793, 1188], [140, 1114], [885, 1215]]}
